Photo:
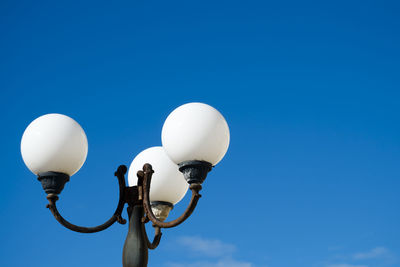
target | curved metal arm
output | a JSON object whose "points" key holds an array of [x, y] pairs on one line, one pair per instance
{"points": [[116, 217], [146, 176], [157, 237]]}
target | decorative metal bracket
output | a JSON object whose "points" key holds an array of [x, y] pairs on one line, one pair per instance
{"points": [[116, 217], [135, 252], [146, 176]]}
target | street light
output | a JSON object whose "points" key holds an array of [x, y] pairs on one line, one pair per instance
{"points": [[195, 137]]}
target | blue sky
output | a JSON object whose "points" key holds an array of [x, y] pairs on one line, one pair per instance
{"points": [[310, 90]]}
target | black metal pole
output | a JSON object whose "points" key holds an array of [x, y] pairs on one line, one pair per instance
{"points": [[135, 253]]}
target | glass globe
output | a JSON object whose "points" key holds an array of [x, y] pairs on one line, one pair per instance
{"points": [[195, 131], [54, 143], [167, 183]]}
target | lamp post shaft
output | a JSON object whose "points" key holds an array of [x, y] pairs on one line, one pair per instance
{"points": [[135, 253]]}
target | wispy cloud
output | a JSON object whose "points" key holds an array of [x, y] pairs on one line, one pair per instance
{"points": [[219, 263], [378, 256], [378, 252], [212, 253], [207, 247], [345, 265]]}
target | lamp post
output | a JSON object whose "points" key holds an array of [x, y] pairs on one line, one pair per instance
{"points": [[195, 137]]}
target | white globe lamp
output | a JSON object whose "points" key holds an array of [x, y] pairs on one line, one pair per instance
{"points": [[195, 136], [54, 145], [54, 142], [168, 185]]}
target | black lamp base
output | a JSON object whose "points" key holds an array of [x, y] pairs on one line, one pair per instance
{"points": [[195, 171], [53, 182]]}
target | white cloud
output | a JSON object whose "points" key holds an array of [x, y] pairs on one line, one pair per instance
{"points": [[212, 253], [219, 263], [207, 247], [345, 265], [378, 256], [374, 253]]}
